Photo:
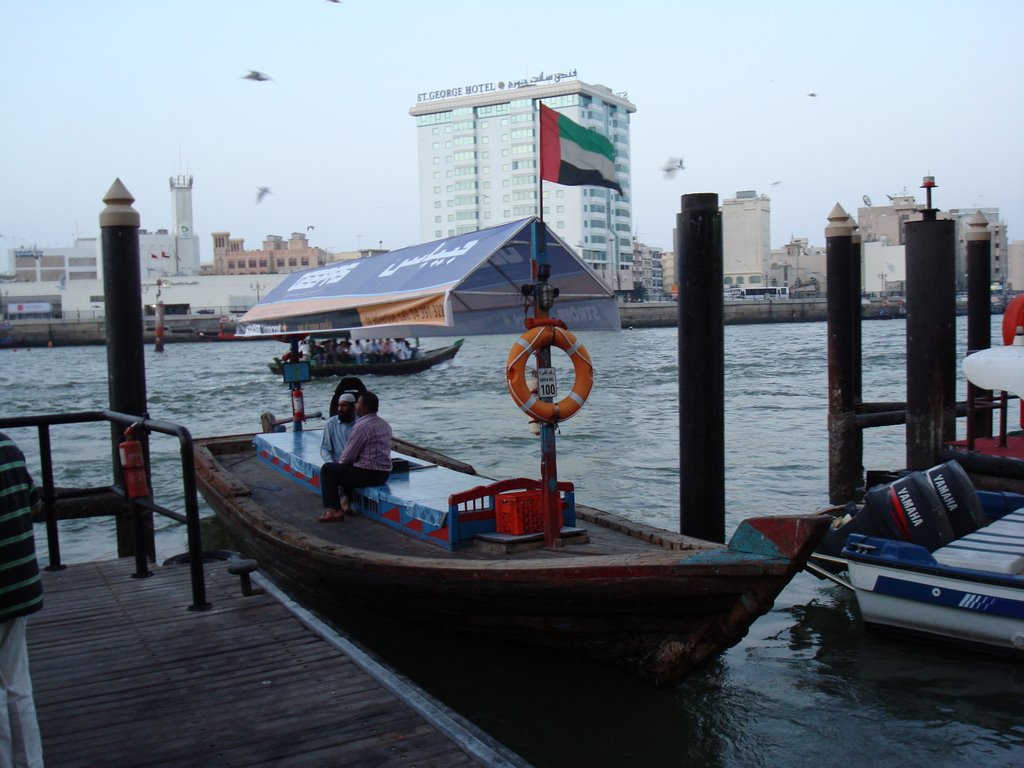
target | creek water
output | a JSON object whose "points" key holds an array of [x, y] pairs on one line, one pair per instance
{"points": [[808, 686]]}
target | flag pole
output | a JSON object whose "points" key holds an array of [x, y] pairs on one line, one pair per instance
{"points": [[550, 501]]}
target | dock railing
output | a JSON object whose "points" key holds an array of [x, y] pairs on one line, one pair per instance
{"points": [[138, 505]]}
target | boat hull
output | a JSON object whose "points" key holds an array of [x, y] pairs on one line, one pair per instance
{"points": [[968, 611], [660, 611]]}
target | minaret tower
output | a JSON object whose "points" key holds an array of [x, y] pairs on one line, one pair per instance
{"points": [[185, 241]]}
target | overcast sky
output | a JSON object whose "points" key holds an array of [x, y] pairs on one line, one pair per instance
{"points": [[144, 90]]}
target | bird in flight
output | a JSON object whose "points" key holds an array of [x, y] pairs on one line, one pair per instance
{"points": [[263, 192], [672, 165], [812, 94], [257, 76], [310, 227], [776, 183]]}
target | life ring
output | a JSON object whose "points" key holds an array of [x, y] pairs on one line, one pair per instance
{"points": [[541, 337], [1013, 316]]}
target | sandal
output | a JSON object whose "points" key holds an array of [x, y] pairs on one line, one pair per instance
{"points": [[329, 517]]}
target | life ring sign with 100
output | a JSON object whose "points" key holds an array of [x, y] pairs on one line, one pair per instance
{"points": [[537, 338]]}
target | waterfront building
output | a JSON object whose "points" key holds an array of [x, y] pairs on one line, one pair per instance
{"points": [[647, 272], [799, 266], [669, 284], [1015, 265], [277, 255], [478, 166], [162, 253], [746, 238], [885, 223]]}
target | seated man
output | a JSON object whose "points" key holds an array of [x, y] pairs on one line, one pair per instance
{"points": [[365, 461], [338, 428]]}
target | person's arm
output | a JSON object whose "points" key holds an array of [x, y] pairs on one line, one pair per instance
{"points": [[327, 444]]}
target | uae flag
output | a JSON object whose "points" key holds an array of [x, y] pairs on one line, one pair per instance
{"points": [[572, 155]]}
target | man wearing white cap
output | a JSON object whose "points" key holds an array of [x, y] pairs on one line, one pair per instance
{"points": [[338, 428]]}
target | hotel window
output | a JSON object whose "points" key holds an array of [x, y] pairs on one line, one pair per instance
{"points": [[437, 233], [437, 174], [437, 161], [437, 203], [504, 153], [437, 190], [437, 145], [437, 219], [522, 133], [506, 182]]}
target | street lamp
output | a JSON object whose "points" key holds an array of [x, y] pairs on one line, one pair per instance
{"points": [[882, 277], [257, 287]]}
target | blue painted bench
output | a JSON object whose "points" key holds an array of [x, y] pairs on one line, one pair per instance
{"points": [[431, 503]]}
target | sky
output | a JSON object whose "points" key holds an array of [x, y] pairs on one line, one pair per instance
{"points": [[143, 90]]}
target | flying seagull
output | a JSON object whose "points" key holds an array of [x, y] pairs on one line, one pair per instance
{"points": [[263, 192], [257, 76], [672, 165], [776, 183], [812, 94], [311, 226]]}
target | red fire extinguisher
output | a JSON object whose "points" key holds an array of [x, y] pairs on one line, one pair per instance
{"points": [[298, 409], [133, 466]]}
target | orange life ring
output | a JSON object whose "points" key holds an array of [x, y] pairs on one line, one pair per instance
{"points": [[541, 337], [1013, 316]]}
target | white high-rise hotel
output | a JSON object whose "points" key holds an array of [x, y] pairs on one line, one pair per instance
{"points": [[478, 166]]}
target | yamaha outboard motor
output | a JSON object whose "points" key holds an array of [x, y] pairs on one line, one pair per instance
{"points": [[958, 497], [907, 509]]}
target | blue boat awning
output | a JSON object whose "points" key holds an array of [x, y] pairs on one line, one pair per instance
{"points": [[464, 285]]}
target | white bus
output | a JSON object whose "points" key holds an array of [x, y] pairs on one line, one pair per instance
{"points": [[765, 292]]}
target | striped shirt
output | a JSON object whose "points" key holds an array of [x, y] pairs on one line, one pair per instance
{"points": [[21, 590], [369, 444]]}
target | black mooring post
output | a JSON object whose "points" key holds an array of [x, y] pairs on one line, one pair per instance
{"points": [[844, 456], [931, 338], [126, 362], [701, 368], [979, 306]]}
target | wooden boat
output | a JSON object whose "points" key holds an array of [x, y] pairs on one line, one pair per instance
{"points": [[422, 362], [654, 601]]}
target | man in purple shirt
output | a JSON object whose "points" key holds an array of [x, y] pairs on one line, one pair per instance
{"points": [[365, 461]]}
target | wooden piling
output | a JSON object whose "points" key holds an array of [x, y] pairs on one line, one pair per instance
{"points": [[126, 361], [931, 339], [844, 442], [701, 368]]}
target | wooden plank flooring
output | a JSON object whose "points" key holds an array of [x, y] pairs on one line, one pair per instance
{"points": [[125, 675]]}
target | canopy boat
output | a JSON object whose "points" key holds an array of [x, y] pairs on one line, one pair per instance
{"points": [[426, 547], [930, 556], [420, 362], [515, 558]]}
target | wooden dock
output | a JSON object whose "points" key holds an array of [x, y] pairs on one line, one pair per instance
{"points": [[124, 674]]}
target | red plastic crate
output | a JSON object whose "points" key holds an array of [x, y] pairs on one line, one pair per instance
{"points": [[519, 512]]}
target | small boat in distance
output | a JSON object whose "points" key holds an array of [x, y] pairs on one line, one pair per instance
{"points": [[420, 362], [225, 332]]}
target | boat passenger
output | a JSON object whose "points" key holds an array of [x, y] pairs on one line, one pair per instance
{"points": [[357, 351], [22, 594], [338, 428], [365, 461]]}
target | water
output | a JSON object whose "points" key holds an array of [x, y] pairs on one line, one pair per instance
{"points": [[807, 687]]}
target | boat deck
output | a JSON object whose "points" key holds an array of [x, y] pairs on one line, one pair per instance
{"points": [[297, 504], [125, 675]]}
